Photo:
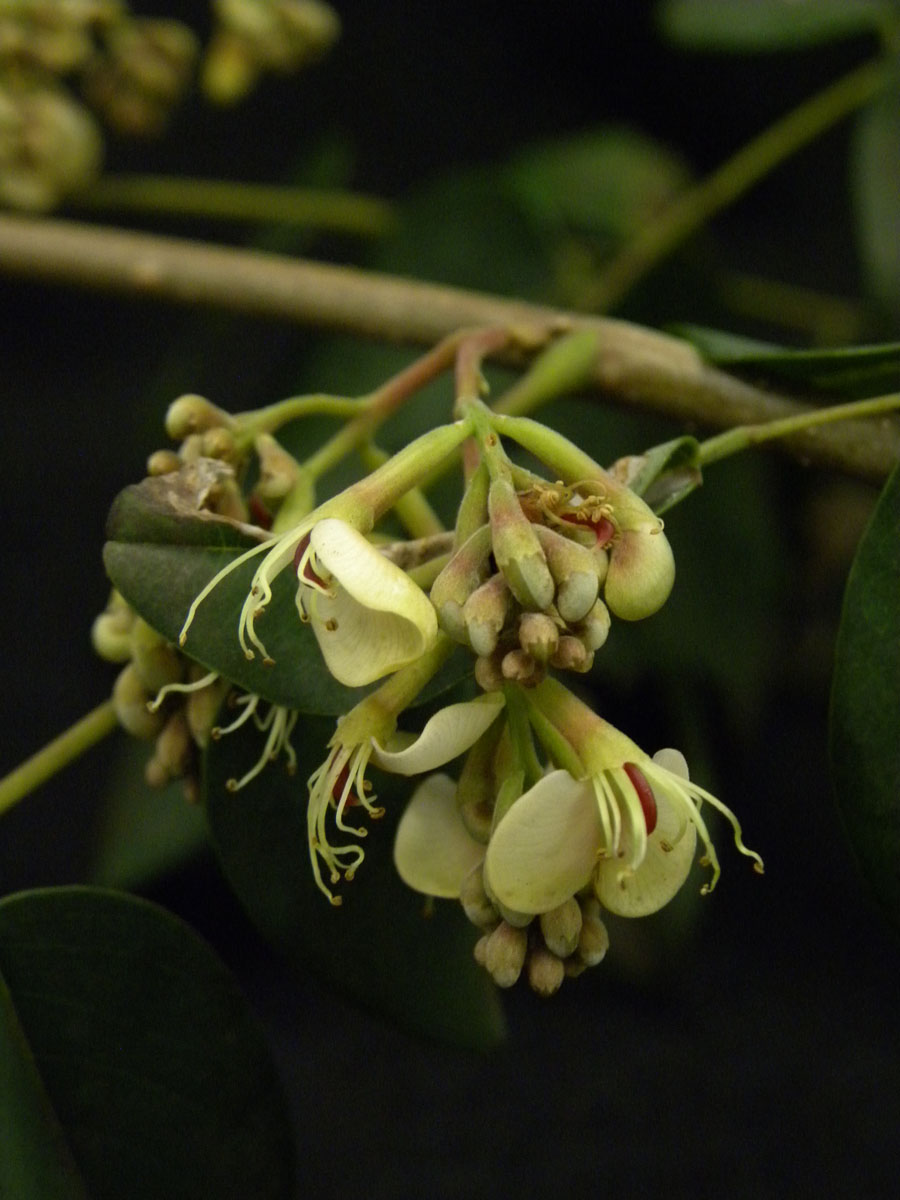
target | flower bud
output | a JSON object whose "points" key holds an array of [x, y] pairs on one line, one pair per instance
{"points": [[641, 573], [488, 672], [517, 549], [546, 971], [476, 790], [466, 571], [578, 573], [476, 904], [538, 636], [111, 631], [130, 700], [485, 612], [173, 753], [594, 629], [593, 940], [572, 655], [194, 414], [519, 667], [219, 443], [561, 927], [201, 709], [504, 954], [155, 661], [163, 462]]}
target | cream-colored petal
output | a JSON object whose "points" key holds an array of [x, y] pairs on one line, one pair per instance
{"points": [[377, 620], [361, 644], [666, 865], [370, 578], [450, 731], [433, 853], [545, 848]]}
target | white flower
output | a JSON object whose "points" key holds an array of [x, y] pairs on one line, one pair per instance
{"points": [[630, 829], [340, 782], [368, 616]]}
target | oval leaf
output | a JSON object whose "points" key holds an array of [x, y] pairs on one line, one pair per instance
{"points": [[865, 703], [379, 946], [130, 1063], [742, 27]]}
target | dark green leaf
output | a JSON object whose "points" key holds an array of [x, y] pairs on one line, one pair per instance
{"points": [[865, 702], [143, 832], [160, 560], [379, 946], [876, 194], [848, 371], [745, 26], [130, 1052], [35, 1160]]}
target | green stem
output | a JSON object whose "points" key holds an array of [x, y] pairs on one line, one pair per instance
{"points": [[274, 416], [696, 205], [744, 436], [57, 754], [232, 200], [414, 512], [525, 758]]}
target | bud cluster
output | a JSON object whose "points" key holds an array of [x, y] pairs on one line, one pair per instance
{"points": [[532, 587], [253, 36], [545, 949], [179, 728]]}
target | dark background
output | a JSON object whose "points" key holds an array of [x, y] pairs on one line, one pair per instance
{"points": [[761, 1056]]}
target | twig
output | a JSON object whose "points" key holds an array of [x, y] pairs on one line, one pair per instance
{"points": [[635, 366]]}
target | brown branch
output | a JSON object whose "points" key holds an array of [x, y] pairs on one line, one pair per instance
{"points": [[636, 366]]}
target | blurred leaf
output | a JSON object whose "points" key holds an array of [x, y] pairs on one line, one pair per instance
{"points": [[144, 832], [149, 544], [131, 1064], [378, 946], [865, 703], [876, 194], [607, 182], [849, 371], [744, 26]]}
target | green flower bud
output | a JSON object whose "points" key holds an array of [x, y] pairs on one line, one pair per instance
{"points": [[201, 709], [504, 954], [593, 940], [538, 636], [466, 571], [477, 788], [641, 573], [561, 927], [476, 904], [155, 661], [163, 462], [485, 612], [517, 549], [194, 414], [572, 655], [577, 571], [130, 700], [278, 470], [519, 667], [594, 629]]}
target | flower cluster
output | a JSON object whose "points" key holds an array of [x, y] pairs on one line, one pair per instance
{"points": [[555, 816]]}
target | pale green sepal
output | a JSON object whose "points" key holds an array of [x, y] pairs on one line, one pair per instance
{"points": [[641, 574], [450, 731], [545, 848], [433, 852]]}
